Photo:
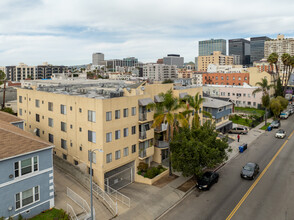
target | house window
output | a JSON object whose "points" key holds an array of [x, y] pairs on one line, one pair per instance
{"points": [[37, 118], [134, 148], [126, 151], [126, 132], [108, 158], [63, 109], [117, 134], [20, 112], [108, 137], [117, 114], [20, 99], [117, 154], [126, 112], [134, 110], [91, 116], [63, 144], [133, 129], [26, 166], [92, 136], [37, 103], [108, 116], [50, 106], [27, 197], [63, 126], [51, 138], [50, 122]]}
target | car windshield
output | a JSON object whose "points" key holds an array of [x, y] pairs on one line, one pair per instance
{"points": [[206, 176], [281, 131], [248, 168]]}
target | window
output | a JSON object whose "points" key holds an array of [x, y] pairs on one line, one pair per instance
{"points": [[80, 110], [222, 78], [27, 197], [37, 103], [38, 132], [126, 112], [20, 99], [248, 95], [233, 94], [126, 151], [70, 108], [50, 106], [234, 78], [117, 114], [91, 116], [93, 156], [80, 129], [108, 116], [244, 94], [64, 156], [134, 148], [134, 111], [245, 78], [20, 112], [92, 136], [133, 129], [37, 118], [63, 144], [227, 78], [216, 78], [63, 109], [26, 166], [51, 138], [76, 162], [223, 93], [249, 103], [117, 134], [108, 158], [117, 154], [108, 137], [229, 94], [239, 78], [254, 103], [50, 122], [126, 132], [63, 126]]}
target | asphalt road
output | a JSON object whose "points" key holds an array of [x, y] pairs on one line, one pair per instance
{"points": [[271, 198]]}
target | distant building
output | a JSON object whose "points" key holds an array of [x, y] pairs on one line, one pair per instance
{"points": [[160, 61], [236, 59], [257, 49], [263, 65], [215, 68], [26, 174], [160, 72], [225, 78], [97, 59], [240, 47], [207, 47], [220, 111], [215, 58], [280, 46], [174, 59]]}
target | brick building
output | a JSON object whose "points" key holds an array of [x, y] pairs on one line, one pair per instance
{"points": [[225, 78]]}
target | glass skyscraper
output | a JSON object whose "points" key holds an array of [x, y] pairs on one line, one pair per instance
{"points": [[240, 47], [207, 47], [257, 48]]}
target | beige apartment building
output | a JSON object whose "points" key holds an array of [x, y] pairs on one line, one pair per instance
{"points": [[215, 58], [110, 117]]}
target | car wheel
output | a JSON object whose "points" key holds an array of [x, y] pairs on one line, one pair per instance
{"points": [[216, 180]]}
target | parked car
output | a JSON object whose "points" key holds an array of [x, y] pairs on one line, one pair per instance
{"points": [[275, 124], [250, 171], [284, 115], [291, 110], [281, 133], [207, 180], [239, 130]]}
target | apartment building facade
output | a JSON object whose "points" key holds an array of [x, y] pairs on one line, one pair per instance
{"points": [[113, 120], [240, 47], [174, 59], [160, 72], [215, 58], [207, 47], [225, 78], [26, 172]]}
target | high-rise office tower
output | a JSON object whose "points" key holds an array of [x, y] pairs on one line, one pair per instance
{"points": [[206, 47], [97, 58], [240, 47], [174, 59], [257, 48]]}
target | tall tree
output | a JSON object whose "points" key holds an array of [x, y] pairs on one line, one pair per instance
{"points": [[276, 107], [2, 81], [286, 59], [279, 88], [195, 103], [273, 60], [264, 87], [167, 111]]}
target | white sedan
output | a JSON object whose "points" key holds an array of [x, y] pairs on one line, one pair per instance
{"points": [[281, 133]]}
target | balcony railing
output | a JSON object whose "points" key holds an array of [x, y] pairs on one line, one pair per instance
{"points": [[143, 154], [161, 128], [142, 116], [161, 144], [142, 135]]}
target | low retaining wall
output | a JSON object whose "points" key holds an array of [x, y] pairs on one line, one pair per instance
{"points": [[145, 180]]}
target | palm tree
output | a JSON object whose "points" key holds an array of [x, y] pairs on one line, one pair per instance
{"points": [[273, 60], [195, 103], [286, 59], [264, 87], [167, 111]]}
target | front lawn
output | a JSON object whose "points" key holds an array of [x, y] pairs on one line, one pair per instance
{"points": [[265, 126], [241, 121], [52, 214], [254, 111]]}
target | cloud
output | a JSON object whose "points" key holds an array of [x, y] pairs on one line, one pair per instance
{"points": [[70, 31]]}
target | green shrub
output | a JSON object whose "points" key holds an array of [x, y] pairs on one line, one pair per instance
{"points": [[139, 172], [152, 172], [20, 217], [159, 167], [142, 167]]}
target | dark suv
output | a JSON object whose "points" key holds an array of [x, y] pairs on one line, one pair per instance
{"points": [[207, 180], [239, 130]]}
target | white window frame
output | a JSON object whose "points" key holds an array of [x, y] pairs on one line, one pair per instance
{"points": [[91, 116], [117, 154], [65, 148], [109, 158], [108, 116], [126, 132], [134, 111], [92, 138], [109, 134], [63, 109], [117, 114], [50, 119], [32, 166], [21, 199], [37, 103], [118, 135], [126, 151]]}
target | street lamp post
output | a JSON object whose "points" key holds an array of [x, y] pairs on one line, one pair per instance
{"points": [[91, 173]]}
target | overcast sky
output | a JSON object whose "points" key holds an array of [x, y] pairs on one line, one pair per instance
{"points": [[69, 31]]}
